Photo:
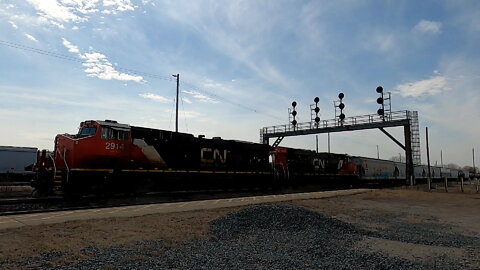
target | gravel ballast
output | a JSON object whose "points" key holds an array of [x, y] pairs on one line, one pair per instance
{"points": [[273, 237]]}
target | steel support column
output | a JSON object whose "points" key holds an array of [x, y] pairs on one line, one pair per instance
{"points": [[408, 152]]}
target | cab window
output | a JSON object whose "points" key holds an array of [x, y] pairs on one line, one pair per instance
{"points": [[87, 131], [114, 134]]}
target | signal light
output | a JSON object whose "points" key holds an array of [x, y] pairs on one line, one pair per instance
{"points": [[341, 106], [315, 109], [381, 101], [294, 113]]}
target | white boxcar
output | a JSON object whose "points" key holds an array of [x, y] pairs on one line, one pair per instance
{"points": [[370, 168], [13, 160]]}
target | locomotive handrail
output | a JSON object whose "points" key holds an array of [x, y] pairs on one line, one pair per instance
{"points": [[54, 166], [65, 161]]}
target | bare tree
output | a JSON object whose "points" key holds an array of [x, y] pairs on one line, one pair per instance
{"points": [[453, 166]]}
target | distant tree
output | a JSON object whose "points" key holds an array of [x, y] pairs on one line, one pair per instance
{"points": [[469, 169], [453, 166]]}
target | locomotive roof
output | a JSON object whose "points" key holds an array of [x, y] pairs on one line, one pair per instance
{"points": [[113, 124]]}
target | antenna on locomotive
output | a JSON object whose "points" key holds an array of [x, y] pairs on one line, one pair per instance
{"points": [[176, 107]]}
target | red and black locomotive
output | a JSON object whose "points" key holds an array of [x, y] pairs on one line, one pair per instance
{"points": [[106, 156]]}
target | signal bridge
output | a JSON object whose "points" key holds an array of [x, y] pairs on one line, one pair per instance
{"points": [[407, 119]]}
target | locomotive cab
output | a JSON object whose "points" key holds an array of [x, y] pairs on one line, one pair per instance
{"points": [[97, 145]]}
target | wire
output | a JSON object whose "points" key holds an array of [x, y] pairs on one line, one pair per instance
{"points": [[79, 60], [135, 72], [215, 96]]}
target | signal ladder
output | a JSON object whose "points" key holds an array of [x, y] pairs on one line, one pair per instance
{"points": [[415, 138]]}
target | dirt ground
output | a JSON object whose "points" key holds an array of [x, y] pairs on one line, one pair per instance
{"points": [[374, 210]]}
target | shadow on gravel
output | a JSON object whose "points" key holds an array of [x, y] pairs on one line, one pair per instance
{"points": [[275, 237]]}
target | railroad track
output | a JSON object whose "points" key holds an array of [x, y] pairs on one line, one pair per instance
{"points": [[27, 205]]}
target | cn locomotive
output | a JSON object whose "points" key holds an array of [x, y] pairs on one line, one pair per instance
{"points": [[107, 156]]}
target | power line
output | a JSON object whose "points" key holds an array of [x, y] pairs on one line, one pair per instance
{"points": [[215, 96], [134, 72], [79, 60]]}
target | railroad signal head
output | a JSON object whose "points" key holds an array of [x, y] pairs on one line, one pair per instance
{"points": [[294, 122], [380, 100], [294, 104], [294, 113], [341, 106], [380, 112], [316, 99], [317, 109], [317, 119], [379, 89], [342, 116], [341, 96]]}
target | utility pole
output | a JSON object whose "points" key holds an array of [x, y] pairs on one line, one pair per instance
{"points": [[428, 161], [441, 158], [473, 156], [316, 140], [176, 108], [329, 142]]}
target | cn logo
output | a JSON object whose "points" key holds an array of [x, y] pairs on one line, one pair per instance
{"points": [[209, 155], [318, 163]]}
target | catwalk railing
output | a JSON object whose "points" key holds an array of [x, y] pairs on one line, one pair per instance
{"points": [[397, 118]]}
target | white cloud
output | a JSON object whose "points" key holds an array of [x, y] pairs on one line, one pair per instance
{"points": [[200, 97], [71, 48], [32, 38], [431, 86], [51, 9], [98, 65], [155, 97], [57, 12], [117, 6], [430, 27], [186, 100], [13, 24]]}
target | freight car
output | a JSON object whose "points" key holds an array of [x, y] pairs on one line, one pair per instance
{"points": [[369, 169], [14, 163]]}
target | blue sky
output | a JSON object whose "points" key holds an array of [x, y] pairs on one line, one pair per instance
{"points": [[241, 64]]}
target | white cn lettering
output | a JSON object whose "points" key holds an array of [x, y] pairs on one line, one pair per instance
{"points": [[318, 163], [340, 164], [207, 155], [217, 154]]}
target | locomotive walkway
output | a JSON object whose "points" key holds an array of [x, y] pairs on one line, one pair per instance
{"points": [[16, 221]]}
